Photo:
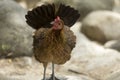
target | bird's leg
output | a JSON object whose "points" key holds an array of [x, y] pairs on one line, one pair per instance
{"points": [[53, 73], [44, 75]]}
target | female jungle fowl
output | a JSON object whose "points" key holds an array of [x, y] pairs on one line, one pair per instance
{"points": [[53, 40]]}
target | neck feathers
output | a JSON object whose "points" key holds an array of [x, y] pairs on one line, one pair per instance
{"points": [[55, 37]]}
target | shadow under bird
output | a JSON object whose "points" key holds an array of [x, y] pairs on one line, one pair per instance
{"points": [[53, 40]]}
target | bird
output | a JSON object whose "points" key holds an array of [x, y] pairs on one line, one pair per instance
{"points": [[53, 40]]}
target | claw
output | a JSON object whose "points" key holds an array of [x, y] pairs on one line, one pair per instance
{"points": [[53, 78]]}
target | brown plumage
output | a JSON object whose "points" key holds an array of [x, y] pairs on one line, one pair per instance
{"points": [[53, 40]]}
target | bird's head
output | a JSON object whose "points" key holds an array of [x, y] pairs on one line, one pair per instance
{"points": [[57, 24]]}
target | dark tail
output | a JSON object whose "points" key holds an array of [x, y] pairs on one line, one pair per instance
{"points": [[43, 15], [68, 14]]}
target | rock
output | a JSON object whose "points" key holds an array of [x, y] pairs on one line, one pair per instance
{"points": [[114, 76], [31, 72], [113, 44], [102, 26], [77, 78], [27, 3], [15, 34], [116, 7], [3, 77], [23, 62]]}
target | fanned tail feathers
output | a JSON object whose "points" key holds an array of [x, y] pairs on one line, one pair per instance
{"points": [[68, 14], [42, 16]]}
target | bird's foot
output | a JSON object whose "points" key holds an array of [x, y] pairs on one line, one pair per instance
{"points": [[53, 78]]}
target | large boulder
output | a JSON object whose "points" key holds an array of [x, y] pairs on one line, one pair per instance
{"points": [[27, 3], [15, 34], [114, 76], [113, 44], [116, 7], [102, 26]]}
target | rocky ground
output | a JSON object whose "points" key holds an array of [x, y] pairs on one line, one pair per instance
{"points": [[90, 61], [95, 57]]}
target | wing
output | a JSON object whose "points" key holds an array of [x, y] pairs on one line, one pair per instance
{"points": [[70, 37], [39, 37]]}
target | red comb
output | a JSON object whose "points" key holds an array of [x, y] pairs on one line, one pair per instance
{"points": [[57, 19]]}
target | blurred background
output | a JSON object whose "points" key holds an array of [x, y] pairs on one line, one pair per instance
{"points": [[95, 57]]}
